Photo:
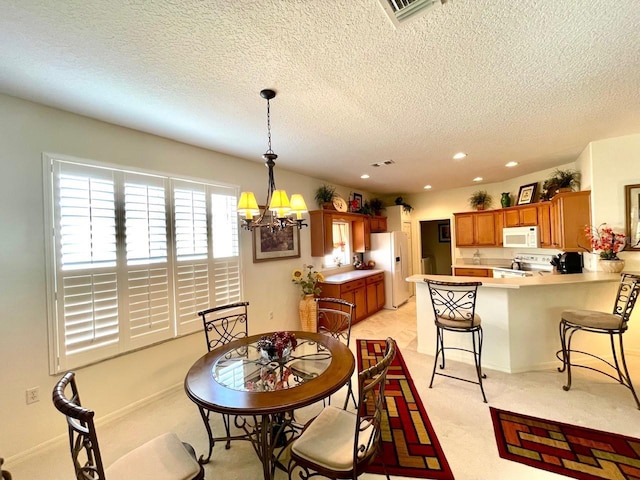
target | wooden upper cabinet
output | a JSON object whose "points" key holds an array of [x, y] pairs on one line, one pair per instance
{"points": [[520, 216], [321, 226], [476, 229], [378, 224], [570, 213], [544, 224]]}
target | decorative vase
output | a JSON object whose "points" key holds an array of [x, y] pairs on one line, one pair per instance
{"points": [[480, 206], [308, 311], [612, 266], [505, 200]]}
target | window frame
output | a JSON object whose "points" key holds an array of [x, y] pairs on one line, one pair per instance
{"points": [[59, 358]]}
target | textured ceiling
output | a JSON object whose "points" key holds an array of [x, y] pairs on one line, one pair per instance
{"points": [[527, 80]]}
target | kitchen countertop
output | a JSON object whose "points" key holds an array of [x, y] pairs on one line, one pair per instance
{"points": [[523, 282], [344, 277]]}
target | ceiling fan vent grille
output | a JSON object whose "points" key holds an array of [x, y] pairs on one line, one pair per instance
{"points": [[401, 10]]}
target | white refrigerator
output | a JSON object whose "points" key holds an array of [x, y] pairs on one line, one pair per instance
{"points": [[390, 251]]}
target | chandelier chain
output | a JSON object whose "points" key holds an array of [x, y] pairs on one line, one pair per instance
{"points": [[269, 125]]}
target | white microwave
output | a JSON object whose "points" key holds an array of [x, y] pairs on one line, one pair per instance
{"points": [[521, 237]]}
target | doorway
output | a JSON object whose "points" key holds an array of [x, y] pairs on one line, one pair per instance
{"points": [[435, 243]]}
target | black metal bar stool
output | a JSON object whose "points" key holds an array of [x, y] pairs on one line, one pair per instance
{"points": [[454, 305], [612, 324]]}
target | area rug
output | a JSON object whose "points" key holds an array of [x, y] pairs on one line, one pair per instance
{"points": [[410, 447], [569, 450]]}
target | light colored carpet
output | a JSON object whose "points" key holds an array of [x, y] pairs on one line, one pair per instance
{"points": [[461, 420]]}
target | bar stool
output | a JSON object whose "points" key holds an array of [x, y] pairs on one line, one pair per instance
{"points": [[612, 324], [454, 305]]}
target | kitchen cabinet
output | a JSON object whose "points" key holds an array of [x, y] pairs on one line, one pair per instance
{"points": [[522, 216], [321, 227], [472, 272], [570, 213], [375, 293], [366, 293], [476, 229], [378, 224], [544, 224]]}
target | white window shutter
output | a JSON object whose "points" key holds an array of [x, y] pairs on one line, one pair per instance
{"points": [[87, 284], [149, 290]]}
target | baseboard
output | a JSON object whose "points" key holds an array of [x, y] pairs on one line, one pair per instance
{"points": [[103, 420]]}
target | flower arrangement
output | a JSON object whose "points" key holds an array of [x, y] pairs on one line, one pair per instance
{"points": [[308, 281], [278, 344], [604, 240]]}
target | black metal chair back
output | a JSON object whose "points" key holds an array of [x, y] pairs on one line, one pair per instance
{"points": [[371, 406], [334, 318], [626, 298], [83, 441], [454, 302], [225, 323]]}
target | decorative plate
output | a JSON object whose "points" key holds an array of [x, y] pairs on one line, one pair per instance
{"points": [[340, 204]]}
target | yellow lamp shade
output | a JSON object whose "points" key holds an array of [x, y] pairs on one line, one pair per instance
{"points": [[247, 205], [298, 205], [280, 205]]}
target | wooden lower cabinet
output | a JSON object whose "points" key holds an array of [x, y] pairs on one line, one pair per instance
{"points": [[472, 272], [366, 293]]}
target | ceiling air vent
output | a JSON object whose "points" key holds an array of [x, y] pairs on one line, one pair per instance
{"points": [[380, 164], [402, 10]]}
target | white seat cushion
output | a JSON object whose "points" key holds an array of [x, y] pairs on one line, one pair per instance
{"points": [[593, 319], [328, 441], [459, 322], [163, 458]]}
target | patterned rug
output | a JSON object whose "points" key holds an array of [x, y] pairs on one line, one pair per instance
{"points": [[410, 446], [569, 450]]}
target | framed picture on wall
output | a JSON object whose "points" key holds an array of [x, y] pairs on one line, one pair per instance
{"points": [[278, 245], [357, 202], [526, 193], [444, 233]]}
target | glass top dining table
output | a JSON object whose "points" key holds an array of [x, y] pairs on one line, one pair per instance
{"points": [[239, 380]]}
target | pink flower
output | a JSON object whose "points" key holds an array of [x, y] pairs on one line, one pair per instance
{"points": [[604, 240]]}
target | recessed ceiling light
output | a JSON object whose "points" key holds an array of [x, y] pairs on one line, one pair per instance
{"points": [[511, 164], [427, 187], [478, 179], [459, 155], [364, 176]]}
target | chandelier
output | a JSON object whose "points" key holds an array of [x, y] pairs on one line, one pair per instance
{"points": [[278, 212]]}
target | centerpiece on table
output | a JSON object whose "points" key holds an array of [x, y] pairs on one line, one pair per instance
{"points": [[277, 346], [308, 279], [608, 243]]}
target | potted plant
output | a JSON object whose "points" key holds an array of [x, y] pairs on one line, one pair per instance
{"points": [[561, 181], [325, 195], [405, 206], [376, 205], [480, 200]]}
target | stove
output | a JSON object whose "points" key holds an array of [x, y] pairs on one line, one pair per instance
{"points": [[529, 264]]}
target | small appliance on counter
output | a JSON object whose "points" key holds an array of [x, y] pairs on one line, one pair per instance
{"points": [[568, 262]]}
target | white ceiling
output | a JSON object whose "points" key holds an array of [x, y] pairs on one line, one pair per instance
{"points": [[527, 80]]}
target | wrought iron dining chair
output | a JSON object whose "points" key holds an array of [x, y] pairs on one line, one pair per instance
{"points": [[612, 324], [3, 473], [222, 325], [334, 318], [454, 310], [339, 443], [162, 458]]}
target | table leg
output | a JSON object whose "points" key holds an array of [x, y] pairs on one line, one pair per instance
{"points": [[205, 418]]}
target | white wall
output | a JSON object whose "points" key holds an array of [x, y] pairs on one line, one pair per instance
{"points": [[26, 131], [616, 163]]}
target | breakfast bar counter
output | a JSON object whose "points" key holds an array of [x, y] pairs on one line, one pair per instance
{"points": [[520, 317]]}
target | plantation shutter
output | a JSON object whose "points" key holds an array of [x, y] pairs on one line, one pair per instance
{"points": [[192, 253], [226, 252], [86, 282], [149, 289], [134, 257]]}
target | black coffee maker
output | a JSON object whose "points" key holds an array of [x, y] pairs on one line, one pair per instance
{"points": [[568, 262]]}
